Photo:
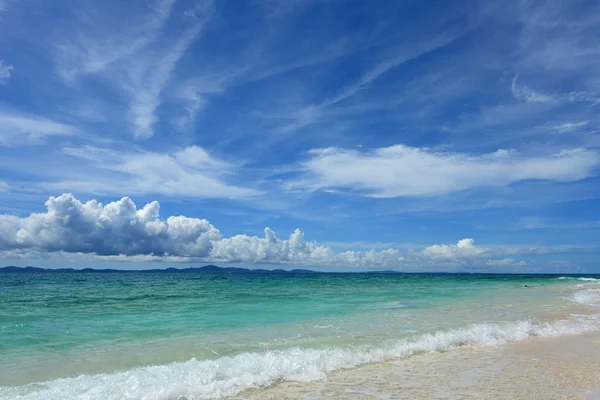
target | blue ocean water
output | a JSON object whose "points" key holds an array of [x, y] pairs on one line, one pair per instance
{"points": [[210, 335]]}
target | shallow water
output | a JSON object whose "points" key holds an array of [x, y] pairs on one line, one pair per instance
{"points": [[161, 336]]}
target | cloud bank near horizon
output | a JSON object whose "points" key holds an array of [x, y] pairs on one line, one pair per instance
{"points": [[120, 231]]}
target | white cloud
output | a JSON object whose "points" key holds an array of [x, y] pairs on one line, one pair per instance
{"points": [[591, 98], [137, 56], [465, 248], [296, 250], [524, 93], [529, 96], [399, 170], [385, 66], [20, 129], [194, 96], [5, 70], [93, 50], [117, 228], [146, 90], [555, 36], [312, 113], [190, 172], [120, 231], [197, 157], [505, 262], [4, 187], [569, 126]]}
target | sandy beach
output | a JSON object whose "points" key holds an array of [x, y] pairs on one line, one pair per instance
{"points": [[537, 368], [299, 337]]}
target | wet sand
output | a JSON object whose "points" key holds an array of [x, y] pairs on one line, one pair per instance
{"points": [[538, 368]]}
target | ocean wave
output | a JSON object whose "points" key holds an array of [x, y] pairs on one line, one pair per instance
{"points": [[389, 305], [587, 297], [579, 279], [227, 376]]}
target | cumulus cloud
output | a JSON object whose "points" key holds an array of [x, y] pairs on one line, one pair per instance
{"points": [[399, 171], [5, 70], [296, 250], [120, 231], [117, 228], [465, 248]]}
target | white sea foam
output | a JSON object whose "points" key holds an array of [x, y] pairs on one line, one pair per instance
{"points": [[206, 379], [324, 327], [389, 305], [579, 279], [587, 297]]}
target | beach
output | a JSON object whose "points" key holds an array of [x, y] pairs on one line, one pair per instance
{"points": [[537, 368], [298, 336], [299, 199]]}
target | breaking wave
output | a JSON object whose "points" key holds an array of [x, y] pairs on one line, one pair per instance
{"points": [[579, 279], [587, 297], [227, 376]]}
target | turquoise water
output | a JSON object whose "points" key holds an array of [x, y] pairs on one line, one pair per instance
{"points": [[142, 335]]}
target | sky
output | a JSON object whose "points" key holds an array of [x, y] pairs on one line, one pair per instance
{"points": [[335, 134]]}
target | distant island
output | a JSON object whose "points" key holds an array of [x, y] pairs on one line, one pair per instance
{"points": [[206, 268]]}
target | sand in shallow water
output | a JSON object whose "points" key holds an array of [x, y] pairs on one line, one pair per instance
{"points": [[538, 368]]}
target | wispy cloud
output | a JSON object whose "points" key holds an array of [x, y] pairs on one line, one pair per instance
{"points": [[194, 95], [543, 223], [5, 69], [312, 113], [190, 172], [21, 129], [100, 42], [558, 35], [568, 126], [139, 59], [504, 262], [147, 87], [528, 95]]}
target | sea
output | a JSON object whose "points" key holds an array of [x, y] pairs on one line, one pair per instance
{"points": [[133, 335]]}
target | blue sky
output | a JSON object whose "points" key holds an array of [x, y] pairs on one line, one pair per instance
{"points": [[438, 135]]}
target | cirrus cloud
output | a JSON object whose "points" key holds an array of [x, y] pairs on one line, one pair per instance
{"points": [[5, 70], [190, 172], [17, 129]]}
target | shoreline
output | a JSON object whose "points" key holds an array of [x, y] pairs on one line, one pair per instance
{"points": [[564, 367], [513, 356]]}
